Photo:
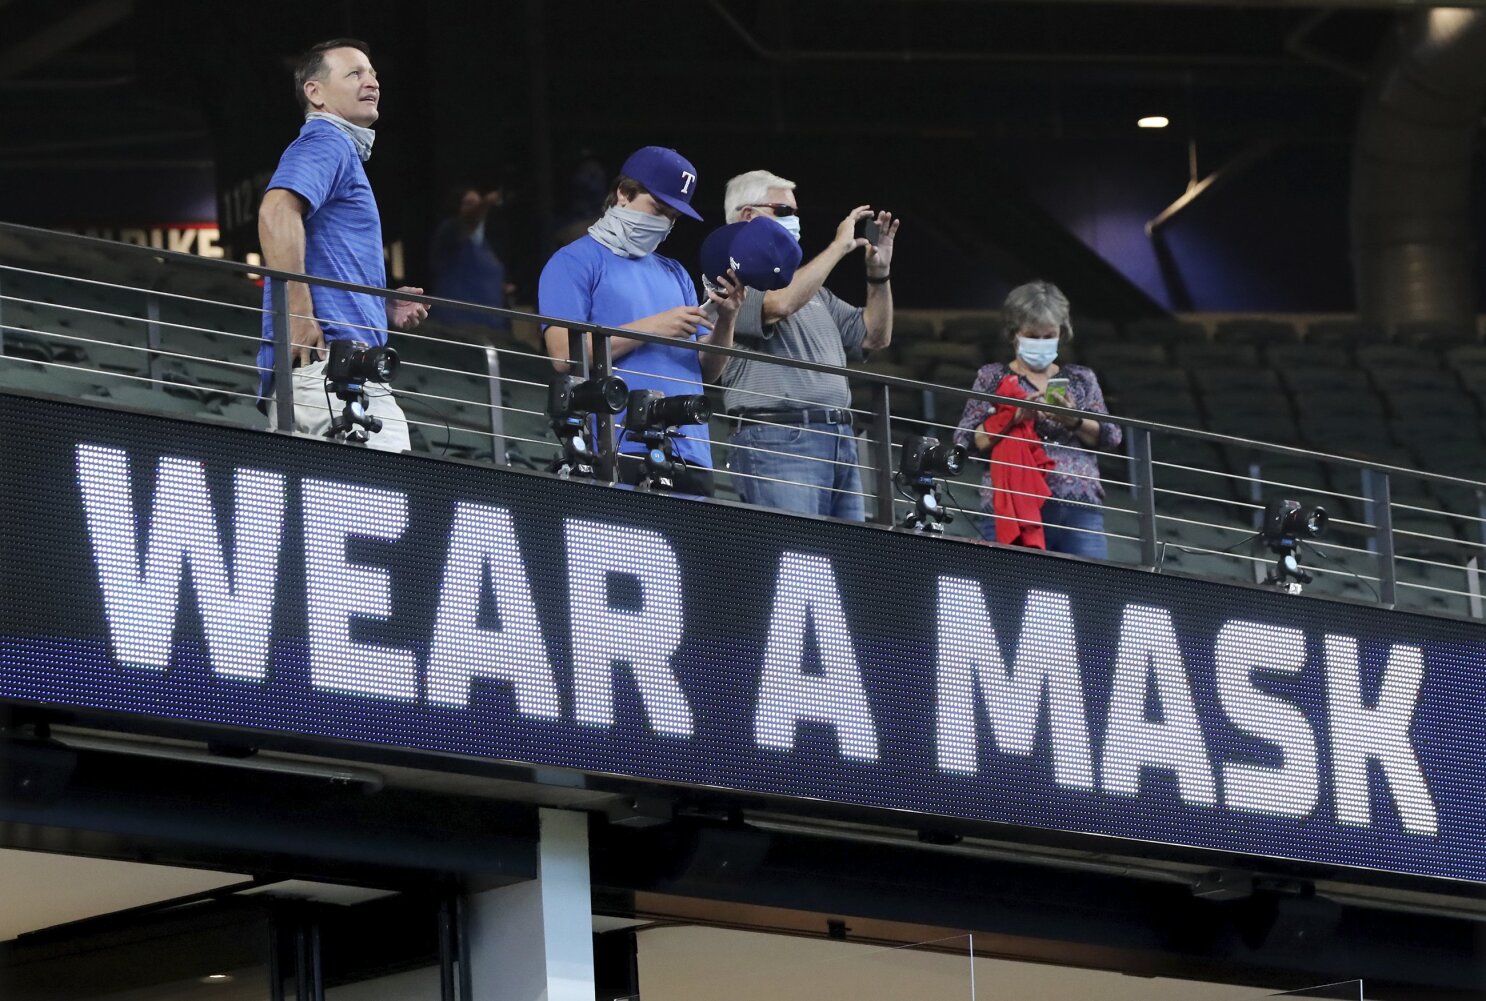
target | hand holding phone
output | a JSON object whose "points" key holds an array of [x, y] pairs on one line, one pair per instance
{"points": [[871, 230], [1057, 392]]}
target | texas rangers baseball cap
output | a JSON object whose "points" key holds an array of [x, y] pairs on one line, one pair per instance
{"points": [[667, 175], [761, 251]]}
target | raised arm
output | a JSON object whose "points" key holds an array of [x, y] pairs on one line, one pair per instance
{"points": [[808, 279]]}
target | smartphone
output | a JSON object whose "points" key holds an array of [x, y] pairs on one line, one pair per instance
{"points": [[871, 231], [1057, 391]]}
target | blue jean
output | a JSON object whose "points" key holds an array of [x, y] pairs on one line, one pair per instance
{"points": [[794, 453], [1060, 522]]}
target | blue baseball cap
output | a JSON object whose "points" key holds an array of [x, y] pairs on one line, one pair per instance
{"points": [[666, 174], [761, 251]]}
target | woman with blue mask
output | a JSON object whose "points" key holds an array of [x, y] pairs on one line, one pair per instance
{"points": [[1036, 325]]}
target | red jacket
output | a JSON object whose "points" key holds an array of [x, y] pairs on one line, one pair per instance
{"points": [[1018, 464]]}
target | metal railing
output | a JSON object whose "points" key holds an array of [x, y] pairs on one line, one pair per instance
{"points": [[1389, 542]]}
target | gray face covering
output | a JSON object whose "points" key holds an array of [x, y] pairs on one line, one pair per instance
{"points": [[630, 233], [360, 135]]}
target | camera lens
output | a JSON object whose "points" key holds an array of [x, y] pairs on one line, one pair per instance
{"points": [[675, 410], [601, 396], [945, 460]]}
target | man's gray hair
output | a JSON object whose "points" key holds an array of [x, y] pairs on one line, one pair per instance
{"points": [[1036, 304], [751, 188]]}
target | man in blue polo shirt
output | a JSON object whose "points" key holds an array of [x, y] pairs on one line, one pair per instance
{"points": [[612, 276], [319, 217]]}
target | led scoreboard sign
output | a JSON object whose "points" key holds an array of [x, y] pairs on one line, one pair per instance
{"points": [[229, 577]]}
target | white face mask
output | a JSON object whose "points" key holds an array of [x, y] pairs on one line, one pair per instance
{"points": [[630, 232], [1037, 353], [791, 224]]}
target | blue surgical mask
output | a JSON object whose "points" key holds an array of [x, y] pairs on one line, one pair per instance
{"points": [[1037, 353], [791, 223]]}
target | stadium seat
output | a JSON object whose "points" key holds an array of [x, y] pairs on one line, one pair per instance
{"points": [[1330, 405], [1088, 328], [1345, 333], [1164, 331], [1208, 354], [926, 356], [1287, 356], [1440, 336], [1325, 380], [1192, 466], [971, 329], [1467, 356], [1235, 380], [912, 328], [1256, 331], [1452, 408], [1393, 356], [1274, 425], [1120, 355]]}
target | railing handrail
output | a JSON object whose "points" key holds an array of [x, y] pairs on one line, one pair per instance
{"points": [[861, 375]]}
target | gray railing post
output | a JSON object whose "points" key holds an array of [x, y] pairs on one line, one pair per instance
{"points": [[1144, 475], [578, 353], [607, 441], [1379, 493], [497, 408], [152, 339], [283, 357], [882, 434], [1481, 510], [2, 312]]}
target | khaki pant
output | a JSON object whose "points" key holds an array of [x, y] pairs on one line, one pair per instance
{"points": [[312, 416]]}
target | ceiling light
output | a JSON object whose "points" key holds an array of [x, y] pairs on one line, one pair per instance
{"points": [[216, 978], [1154, 122]]}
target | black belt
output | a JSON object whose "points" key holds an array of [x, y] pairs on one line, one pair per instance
{"points": [[810, 415]]}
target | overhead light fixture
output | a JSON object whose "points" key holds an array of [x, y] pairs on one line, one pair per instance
{"points": [[217, 978], [1154, 122]]}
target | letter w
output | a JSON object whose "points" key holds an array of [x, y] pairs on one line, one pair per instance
{"points": [[1046, 662], [236, 603]]}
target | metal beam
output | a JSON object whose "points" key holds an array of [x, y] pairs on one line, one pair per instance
{"points": [[1244, 160], [56, 38]]}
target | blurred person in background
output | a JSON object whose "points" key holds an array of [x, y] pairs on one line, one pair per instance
{"points": [[613, 276], [1035, 320], [465, 266], [794, 444]]}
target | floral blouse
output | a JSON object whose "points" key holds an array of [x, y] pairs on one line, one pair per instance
{"points": [[1075, 473]]}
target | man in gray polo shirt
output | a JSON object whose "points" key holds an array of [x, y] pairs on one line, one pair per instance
{"points": [[793, 446]]}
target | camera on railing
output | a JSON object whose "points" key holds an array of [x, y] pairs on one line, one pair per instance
{"points": [[655, 412], [351, 365], [353, 362], [571, 399], [924, 458], [1287, 523]]}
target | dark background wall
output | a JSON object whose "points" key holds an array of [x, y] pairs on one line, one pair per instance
{"points": [[1003, 133]]}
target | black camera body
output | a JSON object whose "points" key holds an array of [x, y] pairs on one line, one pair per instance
{"points": [[354, 362], [569, 397], [655, 412], [925, 457], [1286, 523]]}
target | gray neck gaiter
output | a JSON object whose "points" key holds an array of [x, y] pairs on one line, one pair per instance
{"points": [[360, 135], [630, 233]]}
